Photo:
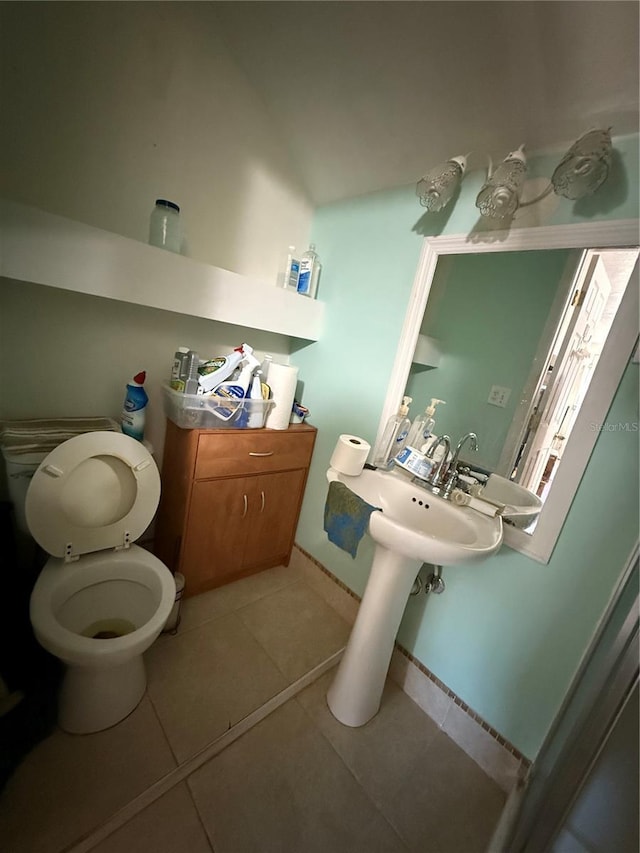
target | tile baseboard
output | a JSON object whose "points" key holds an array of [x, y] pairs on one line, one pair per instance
{"points": [[499, 759]]}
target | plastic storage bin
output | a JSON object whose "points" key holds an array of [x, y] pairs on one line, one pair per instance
{"points": [[192, 411]]}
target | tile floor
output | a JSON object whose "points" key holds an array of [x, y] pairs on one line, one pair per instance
{"points": [[297, 782]]}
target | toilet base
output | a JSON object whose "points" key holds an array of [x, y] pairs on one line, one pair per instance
{"points": [[95, 698]]}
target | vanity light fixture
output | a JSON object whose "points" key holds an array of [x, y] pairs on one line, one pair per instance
{"points": [[582, 170]]}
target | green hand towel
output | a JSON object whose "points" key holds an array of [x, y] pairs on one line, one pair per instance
{"points": [[346, 517]]}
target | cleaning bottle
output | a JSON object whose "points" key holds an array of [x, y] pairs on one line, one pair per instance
{"points": [[133, 411], [256, 406], [310, 268], [216, 370], [234, 390], [190, 377], [422, 427], [177, 369], [394, 436]]}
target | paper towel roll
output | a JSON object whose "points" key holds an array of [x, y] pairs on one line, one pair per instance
{"points": [[282, 381], [349, 455]]}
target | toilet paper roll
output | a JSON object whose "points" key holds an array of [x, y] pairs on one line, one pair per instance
{"points": [[282, 381], [349, 455]]}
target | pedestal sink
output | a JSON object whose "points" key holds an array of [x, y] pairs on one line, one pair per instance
{"points": [[414, 527]]}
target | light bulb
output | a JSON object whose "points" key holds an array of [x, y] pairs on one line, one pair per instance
{"points": [[585, 166], [499, 198], [436, 189]]}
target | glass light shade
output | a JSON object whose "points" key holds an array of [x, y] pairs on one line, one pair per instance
{"points": [[500, 195], [439, 185], [585, 166]]}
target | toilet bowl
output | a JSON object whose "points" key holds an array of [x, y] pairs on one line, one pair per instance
{"points": [[100, 601]]}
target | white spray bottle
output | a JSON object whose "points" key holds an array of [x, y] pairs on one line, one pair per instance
{"points": [[236, 389]]}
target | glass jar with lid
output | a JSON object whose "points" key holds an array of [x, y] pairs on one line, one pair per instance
{"points": [[165, 227]]}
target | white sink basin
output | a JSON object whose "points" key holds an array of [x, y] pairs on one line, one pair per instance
{"points": [[419, 525], [414, 527], [521, 505]]}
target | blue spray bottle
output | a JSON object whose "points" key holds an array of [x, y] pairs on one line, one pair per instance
{"points": [[133, 411]]}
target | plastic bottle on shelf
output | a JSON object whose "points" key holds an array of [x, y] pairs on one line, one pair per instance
{"points": [[394, 436], [165, 227], [423, 425], [133, 410], [310, 268], [289, 271]]}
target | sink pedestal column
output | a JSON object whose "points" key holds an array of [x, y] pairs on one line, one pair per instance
{"points": [[354, 697]]}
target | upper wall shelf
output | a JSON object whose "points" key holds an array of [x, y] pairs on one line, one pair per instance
{"points": [[427, 352], [40, 247]]}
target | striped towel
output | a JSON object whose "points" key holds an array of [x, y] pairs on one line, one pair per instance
{"points": [[36, 436]]}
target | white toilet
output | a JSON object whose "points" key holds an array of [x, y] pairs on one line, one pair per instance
{"points": [[100, 601]]}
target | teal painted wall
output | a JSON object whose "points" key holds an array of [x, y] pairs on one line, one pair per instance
{"points": [[508, 633], [487, 313]]}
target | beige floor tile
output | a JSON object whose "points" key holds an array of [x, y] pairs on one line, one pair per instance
{"points": [[452, 804], [201, 608], [68, 784], [434, 795], [282, 789], [343, 603], [205, 680], [170, 825], [296, 627], [384, 752]]}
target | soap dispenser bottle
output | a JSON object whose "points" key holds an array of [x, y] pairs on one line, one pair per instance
{"points": [[394, 436], [422, 427]]}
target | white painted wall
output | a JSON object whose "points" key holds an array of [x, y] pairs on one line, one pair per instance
{"points": [[105, 107]]}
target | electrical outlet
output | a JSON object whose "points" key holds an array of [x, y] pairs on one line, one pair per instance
{"points": [[499, 396]]}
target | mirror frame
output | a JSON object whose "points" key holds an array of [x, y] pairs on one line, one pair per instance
{"points": [[615, 356]]}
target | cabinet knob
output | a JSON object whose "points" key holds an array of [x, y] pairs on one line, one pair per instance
{"points": [[262, 506], [266, 453], [246, 505]]}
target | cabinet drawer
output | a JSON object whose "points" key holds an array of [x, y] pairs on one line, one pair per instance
{"points": [[225, 453]]}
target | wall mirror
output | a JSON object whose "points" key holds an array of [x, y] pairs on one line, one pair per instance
{"points": [[526, 337]]}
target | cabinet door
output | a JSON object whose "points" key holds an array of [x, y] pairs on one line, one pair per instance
{"points": [[274, 508], [218, 525]]}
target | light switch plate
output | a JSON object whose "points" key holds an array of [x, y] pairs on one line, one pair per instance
{"points": [[499, 396]]}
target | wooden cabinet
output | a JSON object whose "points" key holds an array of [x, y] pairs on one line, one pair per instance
{"points": [[230, 501]]}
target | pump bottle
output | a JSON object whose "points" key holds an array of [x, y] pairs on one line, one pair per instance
{"points": [[423, 425], [394, 436]]}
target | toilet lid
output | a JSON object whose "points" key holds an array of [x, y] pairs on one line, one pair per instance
{"points": [[95, 491]]}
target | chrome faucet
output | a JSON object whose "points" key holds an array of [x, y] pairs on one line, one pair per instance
{"points": [[452, 475], [435, 478], [470, 436]]}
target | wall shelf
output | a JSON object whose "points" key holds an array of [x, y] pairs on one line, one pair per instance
{"points": [[51, 250], [427, 352]]}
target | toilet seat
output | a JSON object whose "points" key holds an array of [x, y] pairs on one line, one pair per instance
{"points": [[96, 491]]}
